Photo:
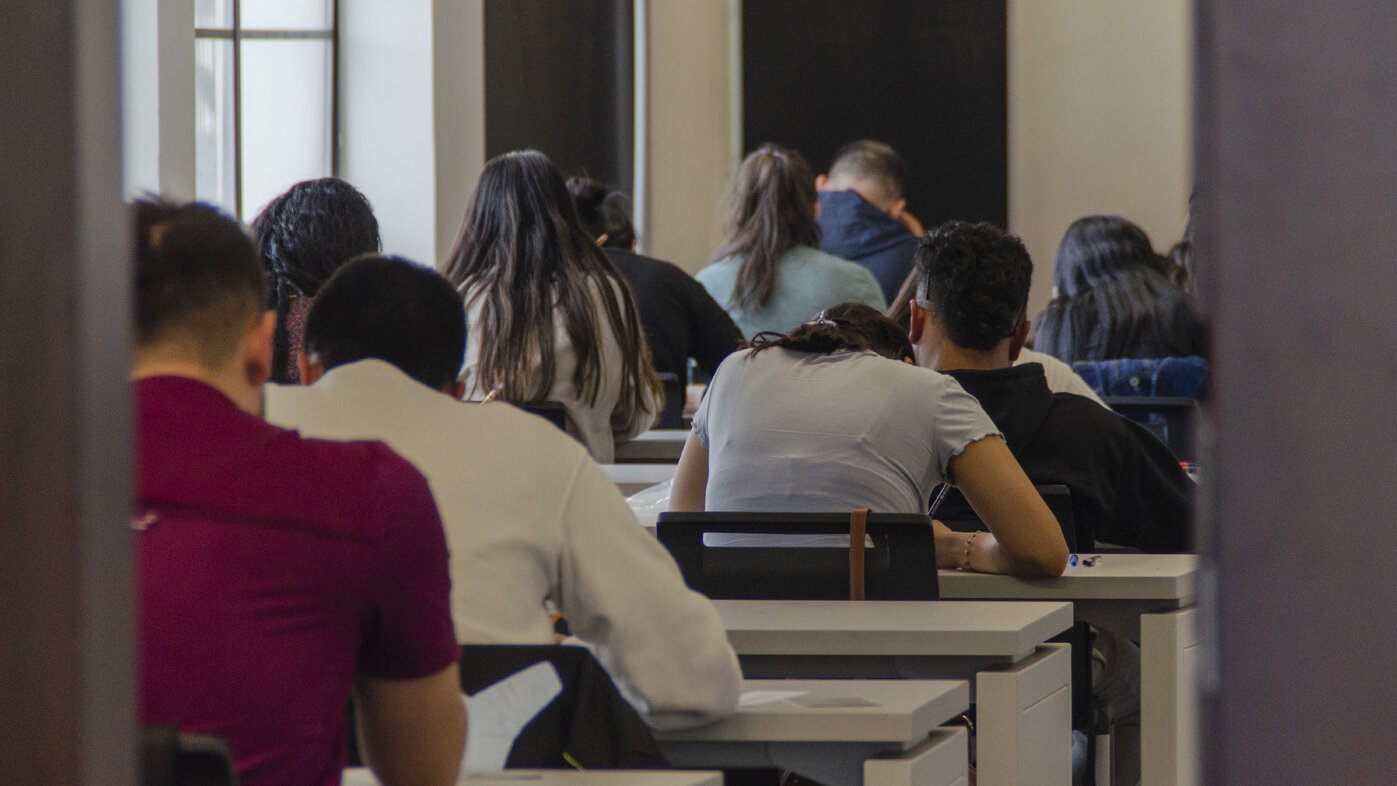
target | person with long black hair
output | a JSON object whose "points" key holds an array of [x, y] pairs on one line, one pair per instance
{"points": [[769, 272], [1111, 300], [305, 235], [549, 317]]}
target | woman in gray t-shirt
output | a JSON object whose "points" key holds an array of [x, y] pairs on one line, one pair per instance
{"points": [[826, 418]]}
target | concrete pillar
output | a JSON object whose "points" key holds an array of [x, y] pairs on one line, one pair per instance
{"points": [[66, 708], [1297, 117]]}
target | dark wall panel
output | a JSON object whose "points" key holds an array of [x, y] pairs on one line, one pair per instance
{"points": [[559, 78], [926, 76]]}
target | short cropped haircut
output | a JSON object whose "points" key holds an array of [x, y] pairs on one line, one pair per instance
{"points": [[974, 279], [874, 161], [198, 280], [394, 310]]}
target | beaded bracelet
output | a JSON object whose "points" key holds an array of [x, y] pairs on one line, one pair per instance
{"points": [[968, 543]]}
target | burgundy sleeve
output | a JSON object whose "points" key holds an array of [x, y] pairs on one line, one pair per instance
{"points": [[409, 631]]}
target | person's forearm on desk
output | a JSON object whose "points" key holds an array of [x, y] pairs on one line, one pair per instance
{"points": [[1026, 539]]}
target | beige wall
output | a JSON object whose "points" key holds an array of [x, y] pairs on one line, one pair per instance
{"points": [[1100, 119], [689, 116]]}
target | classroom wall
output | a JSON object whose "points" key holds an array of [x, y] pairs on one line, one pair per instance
{"points": [[1100, 120], [385, 117], [157, 98], [689, 112], [411, 99]]}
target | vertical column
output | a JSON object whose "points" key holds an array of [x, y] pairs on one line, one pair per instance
{"points": [[1297, 108], [66, 668]]}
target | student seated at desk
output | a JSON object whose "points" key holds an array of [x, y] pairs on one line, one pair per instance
{"points": [[967, 319], [833, 416], [681, 319], [551, 318], [529, 516], [274, 574]]}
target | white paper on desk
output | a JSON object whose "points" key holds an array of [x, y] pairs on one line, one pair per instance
{"points": [[498, 713], [756, 698]]}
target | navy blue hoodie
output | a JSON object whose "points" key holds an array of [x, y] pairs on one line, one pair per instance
{"points": [[852, 228]]}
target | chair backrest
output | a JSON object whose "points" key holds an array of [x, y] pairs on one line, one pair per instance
{"points": [[589, 720], [552, 411], [1170, 418], [169, 758], [672, 413], [900, 566], [956, 514]]}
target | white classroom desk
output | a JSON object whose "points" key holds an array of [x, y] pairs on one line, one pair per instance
{"points": [[839, 732], [656, 446], [635, 478], [1145, 596], [1021, 684], [361, 776]]}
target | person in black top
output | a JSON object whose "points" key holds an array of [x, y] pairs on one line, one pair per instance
{"points": [[968, 320], [680, 318]]}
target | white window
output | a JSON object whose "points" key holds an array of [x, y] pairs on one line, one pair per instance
{"points": [[264, 98]]}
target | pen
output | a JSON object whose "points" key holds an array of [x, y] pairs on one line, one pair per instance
{"points": [[1086, 562], [936, 503]]}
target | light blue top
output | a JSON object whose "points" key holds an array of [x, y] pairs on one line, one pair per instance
{"points": [[807, 281]]}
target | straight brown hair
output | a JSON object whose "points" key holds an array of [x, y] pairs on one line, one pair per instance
{"points": [[523, 255], [771, 209]]}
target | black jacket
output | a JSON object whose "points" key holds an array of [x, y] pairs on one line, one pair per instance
{"points": [[680, 318], [852, 228], [1127, 488]]}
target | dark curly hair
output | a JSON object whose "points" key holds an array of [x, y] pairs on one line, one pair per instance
{"points": [[974, 278], [305, 235], [845, 326]]}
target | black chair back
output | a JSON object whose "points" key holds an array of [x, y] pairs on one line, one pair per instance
{"points": [[672, 413], [900, 566], [552, 411], [589, 721], [1170, 418], [957, 514]]}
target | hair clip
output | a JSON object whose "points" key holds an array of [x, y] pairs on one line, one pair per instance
{"points": [[776, 153], [821, 319]]}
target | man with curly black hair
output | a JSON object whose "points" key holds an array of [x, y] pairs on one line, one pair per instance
{"points": [[969, 320]]}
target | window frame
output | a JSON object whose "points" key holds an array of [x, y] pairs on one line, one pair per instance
{"points": [[236, 35]]}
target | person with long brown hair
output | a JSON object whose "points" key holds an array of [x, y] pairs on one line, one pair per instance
{"points": [[769, 272], [549, 317]]}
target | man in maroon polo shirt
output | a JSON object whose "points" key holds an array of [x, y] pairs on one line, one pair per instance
{"points": [[274, 573]]}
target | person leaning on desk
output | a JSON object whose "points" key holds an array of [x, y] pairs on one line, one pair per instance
{"points": [[826, 418]]}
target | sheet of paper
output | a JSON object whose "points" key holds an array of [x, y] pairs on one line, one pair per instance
{"points": [[756, 698], [498, 713]]}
